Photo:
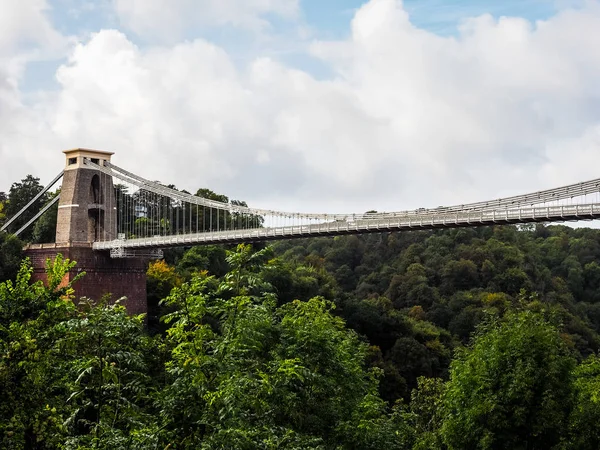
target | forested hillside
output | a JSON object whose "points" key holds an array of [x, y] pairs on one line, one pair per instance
{"points": [[435, 307], [416, 296], [457, 339]]}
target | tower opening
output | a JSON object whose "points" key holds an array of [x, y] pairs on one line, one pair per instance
{"points": [[95, 211], [95, 191]]}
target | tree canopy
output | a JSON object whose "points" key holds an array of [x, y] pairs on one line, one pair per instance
{"points": [[470, 338]]}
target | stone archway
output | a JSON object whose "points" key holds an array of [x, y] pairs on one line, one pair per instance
{"points": [[95, 210]]}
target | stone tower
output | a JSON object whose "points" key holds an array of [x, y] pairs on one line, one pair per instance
{"points": [[87, 212], [87, 206]]}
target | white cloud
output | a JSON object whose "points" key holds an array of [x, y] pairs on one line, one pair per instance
{"points": [[23, 24], [409, 119], [170, 19], [26, 35], [479, 108]]}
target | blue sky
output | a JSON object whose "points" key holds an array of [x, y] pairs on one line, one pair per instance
{"points": [[326, 19], [331, 17], [440, 16]]}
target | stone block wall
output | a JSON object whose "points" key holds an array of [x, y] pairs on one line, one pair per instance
{"points": [[104, 275]]}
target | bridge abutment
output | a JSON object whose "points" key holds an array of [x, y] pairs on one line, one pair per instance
{"points": [[104, 275]]}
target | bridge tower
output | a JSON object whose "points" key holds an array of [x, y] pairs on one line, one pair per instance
{"points": [[87, 212], [87, 205]]}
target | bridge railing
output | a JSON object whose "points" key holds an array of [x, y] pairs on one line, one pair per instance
{"points": [[424, 221]]}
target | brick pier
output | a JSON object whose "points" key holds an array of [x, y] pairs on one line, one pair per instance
{"points": [[104, 275]]}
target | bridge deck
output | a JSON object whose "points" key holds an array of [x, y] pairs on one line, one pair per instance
{"points": [[411, 222]]}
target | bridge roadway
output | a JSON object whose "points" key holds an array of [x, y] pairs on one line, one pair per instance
{"points": [[390, 222]]}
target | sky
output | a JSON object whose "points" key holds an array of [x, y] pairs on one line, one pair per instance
{"points": [[308, 105]]}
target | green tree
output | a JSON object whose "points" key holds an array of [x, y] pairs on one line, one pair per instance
{"points": [[31, 401], [247, 374], [11, 254], [583, 431], [210, 258], [106, 360], [511, 388], [44, 229], [591, 276], [427, 407], [19, 195], [459, 275], [160, 280], [71, 377]]}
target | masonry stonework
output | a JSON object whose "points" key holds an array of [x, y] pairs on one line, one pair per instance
{"points": [[87, 213], [87, 206], [103, 275]]}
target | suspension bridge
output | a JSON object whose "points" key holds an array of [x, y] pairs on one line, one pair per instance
{"points": [[111, 221], [118, 211]]}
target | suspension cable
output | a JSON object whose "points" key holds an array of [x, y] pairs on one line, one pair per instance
{"points": [[32, 201]]}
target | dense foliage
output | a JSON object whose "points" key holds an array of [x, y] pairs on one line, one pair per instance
{"points": [[20, 194], [417, 296], [471, 338], [11, 254], [232, 370], [258, 357]]}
